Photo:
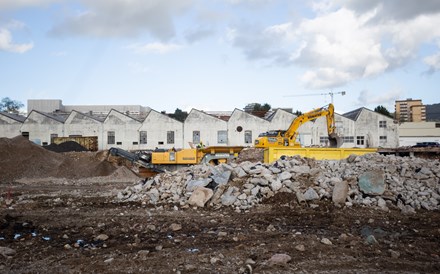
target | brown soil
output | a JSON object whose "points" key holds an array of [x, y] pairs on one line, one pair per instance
{"points": [[20, 158], [66, 217], [52, 224]]}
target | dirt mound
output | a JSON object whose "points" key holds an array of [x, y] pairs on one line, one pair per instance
{"points": [[68, 146], [20, 158]]}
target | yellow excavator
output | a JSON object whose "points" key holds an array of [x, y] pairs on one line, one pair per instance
{"points": [[287, 138]]}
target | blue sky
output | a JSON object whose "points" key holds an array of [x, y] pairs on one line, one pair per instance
{"points": [[220, 54]]}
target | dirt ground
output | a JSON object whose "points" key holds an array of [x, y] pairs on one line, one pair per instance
{"points": [[56, 224], [71, 222]]}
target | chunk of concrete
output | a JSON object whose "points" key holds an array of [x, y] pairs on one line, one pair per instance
{"points": [[200, 196], [340, 192], [372, 182]]}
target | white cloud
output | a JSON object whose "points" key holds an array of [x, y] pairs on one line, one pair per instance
{"points": [[121, 18], [16, 4], [7, 44], [343, 44], [433, 61], [387, 98], [157, 47]]}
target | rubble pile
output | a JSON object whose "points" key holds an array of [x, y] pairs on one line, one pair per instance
{"points": [[371, 180]]}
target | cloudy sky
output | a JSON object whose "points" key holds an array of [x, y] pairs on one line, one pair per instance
{"points": [[221, 54]]}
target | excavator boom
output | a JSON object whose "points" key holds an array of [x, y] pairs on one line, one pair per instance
{"points": [[288, 137]]}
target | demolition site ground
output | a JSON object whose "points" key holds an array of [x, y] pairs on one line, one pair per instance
{"points": [[70, 223]]}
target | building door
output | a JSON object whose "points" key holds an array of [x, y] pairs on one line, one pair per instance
{"points": [[196, 137]]}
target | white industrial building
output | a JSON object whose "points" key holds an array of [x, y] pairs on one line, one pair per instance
{"points": [[416, 132], [10, 124], [359, 128]]}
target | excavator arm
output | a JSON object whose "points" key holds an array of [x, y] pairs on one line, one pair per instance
{"points": [[288, 137]]}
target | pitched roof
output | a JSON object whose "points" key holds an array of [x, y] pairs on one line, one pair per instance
{"points": [[354, 114], [57, 117], [16, 117]]}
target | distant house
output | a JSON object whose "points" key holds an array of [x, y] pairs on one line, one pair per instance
{"points": [[120, 130], [202, 127], [42, 127], [244, 128], [158, 130], [10, 124], [415, 132], [372, 129]]}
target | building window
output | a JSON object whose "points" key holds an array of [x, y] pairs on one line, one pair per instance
{"points": [[437, 125], [143, 137], [348, 139], [52, 137], [360, 140], [222, 136], [135, 143], [323, 139], [196, 137], [248, 137], [383, 124], [119, 143], [170, 137], [111, 137], [383, 139]]}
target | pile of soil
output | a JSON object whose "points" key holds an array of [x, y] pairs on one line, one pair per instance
{"points": [[68, 146], [20, 158]]}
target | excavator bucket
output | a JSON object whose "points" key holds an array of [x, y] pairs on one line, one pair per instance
{"points": [[335, 140]]}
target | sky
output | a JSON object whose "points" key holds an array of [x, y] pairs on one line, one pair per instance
{"points": [[219, 55]]}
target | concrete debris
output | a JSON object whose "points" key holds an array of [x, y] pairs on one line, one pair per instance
{"points": [[372, 180], [279, 259]]}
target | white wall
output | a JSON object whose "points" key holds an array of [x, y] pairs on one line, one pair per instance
{"points": [[206, 124], [367, 125], [80, 124], [240, 122], [40, 127], [125, 128], [9, 128], [157, 125]]}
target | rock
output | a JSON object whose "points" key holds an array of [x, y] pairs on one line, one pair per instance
{"points": [[372, 182], [7, 252], [200, 196], [274, 170], [159, 247], [301, 169], [193, 184], [67, 246], [340, 192], [370, 240], [222, 178], [351, 158], [239, 172], [326, 241], [259, 181], [407, 209], [311, 194], [151, 227], [300, 197], [153, 195], [175, 227], [101, 237], [222, 234], [394, 254], [228, 198], [300, 248], [214, 260], [217, 194], [285, 176], [279, 259], [109, 260], [276, 185]]}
